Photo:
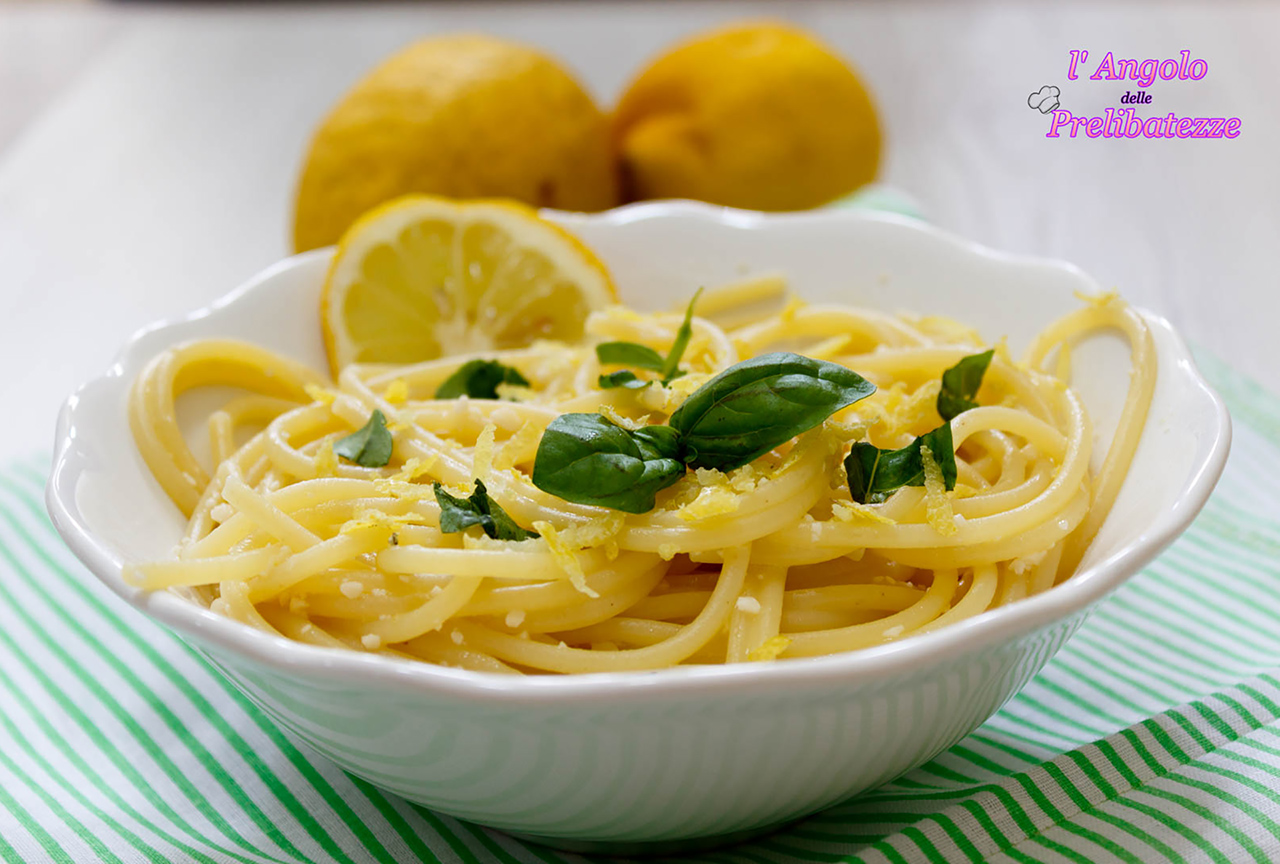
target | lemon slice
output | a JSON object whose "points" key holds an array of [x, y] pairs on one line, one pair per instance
{"points": [[423, 277]]}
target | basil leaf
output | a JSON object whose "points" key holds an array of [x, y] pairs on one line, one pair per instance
{"points": [[369, 446], [753, 406], [960, 384], [479, 379], [671, 368], [662, 439], [588, 460], [875, 474], [621, 378], [459, 514], [644, 357], [630, 354]]}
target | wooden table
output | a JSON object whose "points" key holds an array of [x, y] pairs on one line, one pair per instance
{"points": [[148, 153]]}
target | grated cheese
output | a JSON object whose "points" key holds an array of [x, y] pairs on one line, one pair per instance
{"points": [[514, 618], [351, 589], [456, 636], [749, 605], [372, 641], [506, 417], [222, 512]]}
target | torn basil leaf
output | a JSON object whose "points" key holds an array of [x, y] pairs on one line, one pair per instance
{"points": [[588, 460], [644, 357], [960, 384], [621, 378], [459, 514], [671, 368], [479, 379], [630, 354], [753, 406], [369, 446], [875, 474]]}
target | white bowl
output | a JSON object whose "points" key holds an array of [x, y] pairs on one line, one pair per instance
{"points": [[634, 759]]}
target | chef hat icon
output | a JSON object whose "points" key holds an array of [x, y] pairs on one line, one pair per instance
{"points": [[1045, 99]]}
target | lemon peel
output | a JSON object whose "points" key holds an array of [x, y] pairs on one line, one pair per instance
{"points": [[770, 649], [938, 512]]}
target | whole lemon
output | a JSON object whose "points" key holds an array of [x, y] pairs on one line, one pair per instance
{"points": [[758, 115], [461, 116]]}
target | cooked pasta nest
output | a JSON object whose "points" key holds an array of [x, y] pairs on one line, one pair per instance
{"points": [[770, 560]]}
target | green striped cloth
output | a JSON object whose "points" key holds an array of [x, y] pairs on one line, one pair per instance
{"points": [[1154, 735]]}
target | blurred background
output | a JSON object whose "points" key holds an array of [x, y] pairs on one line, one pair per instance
{"points": [[150, 153]]}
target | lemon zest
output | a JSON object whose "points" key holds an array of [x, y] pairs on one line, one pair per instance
{"points": [[938, 511], [323, 395], [374, 518], [415, 467], [618, 419], [564, 556], [852, 511], [710, 502], [528, 434], [1101, 299], [326, 461], [793, 308], [770, 649], [397, 392], [482, 460], [595, 532]]}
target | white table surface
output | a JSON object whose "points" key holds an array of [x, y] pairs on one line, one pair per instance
{"points": [[148, 154]]}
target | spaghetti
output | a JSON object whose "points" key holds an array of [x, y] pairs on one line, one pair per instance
{"points": [[773, 559]]}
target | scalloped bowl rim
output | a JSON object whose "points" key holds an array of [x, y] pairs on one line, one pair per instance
{"points": [[999, 625]]}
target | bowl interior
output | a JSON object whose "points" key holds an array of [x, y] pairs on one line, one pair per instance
{"points": [[659, 254]]}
